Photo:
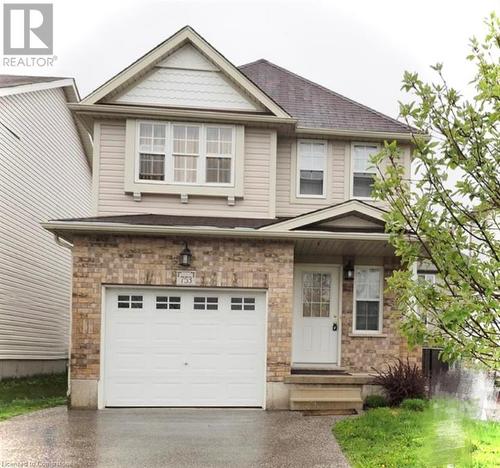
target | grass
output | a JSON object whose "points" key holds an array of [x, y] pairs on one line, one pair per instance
{"points": [[442, 435], [23, 395]]}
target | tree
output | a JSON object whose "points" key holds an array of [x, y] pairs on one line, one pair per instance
{"points": [[453, 225]]}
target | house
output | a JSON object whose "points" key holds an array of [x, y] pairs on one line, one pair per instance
{"points": [[44, 173], [234, 256]]}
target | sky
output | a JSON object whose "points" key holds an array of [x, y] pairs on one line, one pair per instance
{"points": [[357, 48]]}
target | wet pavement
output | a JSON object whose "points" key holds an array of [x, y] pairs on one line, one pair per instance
{"points": [[169, 438]]}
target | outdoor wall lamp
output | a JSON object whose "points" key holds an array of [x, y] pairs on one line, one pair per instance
{"points": [[349, 271], [185, 256]]}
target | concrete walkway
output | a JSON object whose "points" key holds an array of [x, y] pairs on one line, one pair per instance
{"points": [[169, 438]]}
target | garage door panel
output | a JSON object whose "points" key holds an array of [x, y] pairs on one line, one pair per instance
{"points": [[184, 348]]}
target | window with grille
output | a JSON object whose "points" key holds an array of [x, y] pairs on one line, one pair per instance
{"points": [[316, 293], [243, 303], [368, 299], [219, 154], [152, 151], [206, 303], [168, 302], [185, 152], [364, 171], [311, 165], [126, 301]]}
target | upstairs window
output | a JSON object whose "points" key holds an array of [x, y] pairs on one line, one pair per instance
{"points": [[220, 153], [368, 299], [311, 166], [186, 154], [152, 151], [363, 170]]}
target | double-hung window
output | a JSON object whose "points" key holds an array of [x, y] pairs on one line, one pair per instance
{"points": [[368, 299], [152, 151], [311, 168], [219, 154], [364, 171], [185, 153]]}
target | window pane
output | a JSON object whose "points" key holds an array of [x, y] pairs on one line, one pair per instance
{"points": [[367, 315], [316, 294], [186, 139], [151, 166], [368, 283], [219, 170], [362, 185], [362, 155], [219, 140], [311, 183], [152, 138], [185, 169]]}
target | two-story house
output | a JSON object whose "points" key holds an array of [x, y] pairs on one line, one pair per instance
{"points": [[235, 256]]}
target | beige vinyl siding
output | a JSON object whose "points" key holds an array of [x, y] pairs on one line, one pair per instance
{"points": [[43, 175], [112, 200], [287, 204]]}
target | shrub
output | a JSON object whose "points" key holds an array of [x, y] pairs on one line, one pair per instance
{"points": [[401, 380], [376, 401], [414, 404]]}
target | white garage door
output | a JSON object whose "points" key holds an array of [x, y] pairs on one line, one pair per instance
{"points": [[178, 347]]}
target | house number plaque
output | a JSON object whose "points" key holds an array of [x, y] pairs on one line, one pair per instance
{"points": [[185, 278]]}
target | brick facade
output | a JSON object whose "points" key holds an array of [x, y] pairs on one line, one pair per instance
{"points": [[100, 260], [363, 354]]}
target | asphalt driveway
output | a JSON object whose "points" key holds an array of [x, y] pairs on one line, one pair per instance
{"points": [[169, 438]]}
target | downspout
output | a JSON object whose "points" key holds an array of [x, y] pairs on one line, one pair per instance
{"points": [[67, 245]]}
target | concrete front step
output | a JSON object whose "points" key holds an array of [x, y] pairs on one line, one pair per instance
{"points": [[326, 398], [357, 379]]}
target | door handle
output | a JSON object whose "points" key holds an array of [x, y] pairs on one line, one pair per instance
{"points": [[334, 327]]}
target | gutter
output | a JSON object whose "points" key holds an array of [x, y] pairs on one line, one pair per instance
{"points": [[360, 134], [114, 110], [75, 227]]}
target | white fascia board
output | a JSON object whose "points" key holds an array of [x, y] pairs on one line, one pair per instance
{"points": [[361, 134], [67, 82], [75, 227], [183, 36], [327, 213]]}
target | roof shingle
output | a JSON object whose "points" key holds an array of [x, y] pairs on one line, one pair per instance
{"points": [[314, 105], [9, 81]]}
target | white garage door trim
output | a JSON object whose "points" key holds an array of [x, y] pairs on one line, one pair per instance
{"points": [[102, 401]]}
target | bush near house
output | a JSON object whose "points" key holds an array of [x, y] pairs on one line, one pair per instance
{"points": [[23, 395], [401, 381], [440, 435], [375, 401]]}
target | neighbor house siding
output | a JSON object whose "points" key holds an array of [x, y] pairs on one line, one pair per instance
{"points": [[286, 202], [112, 200], [44, 174]]}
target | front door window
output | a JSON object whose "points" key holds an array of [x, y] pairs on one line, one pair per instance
{"points": [[316, 294]]}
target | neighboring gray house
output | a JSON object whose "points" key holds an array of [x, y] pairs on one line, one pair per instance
{"points": [[45, 173]]}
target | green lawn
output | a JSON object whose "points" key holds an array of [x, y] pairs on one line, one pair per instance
{"points": [[442, 435], [19, 396]]}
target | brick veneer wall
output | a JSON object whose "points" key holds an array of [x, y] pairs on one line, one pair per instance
{"points": [[363, 354], [132, 260]]}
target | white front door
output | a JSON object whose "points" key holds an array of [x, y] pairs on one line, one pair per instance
{"points": [[184, 347], [316, 315]]}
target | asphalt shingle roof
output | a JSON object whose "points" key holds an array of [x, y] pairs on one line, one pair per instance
{"points": [[314, 105], [172, 220]]}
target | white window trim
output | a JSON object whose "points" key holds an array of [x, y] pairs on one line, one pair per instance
{"points": [[381, 303], [132, 183], [351, 173], [297, 170], [169, 155]]}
